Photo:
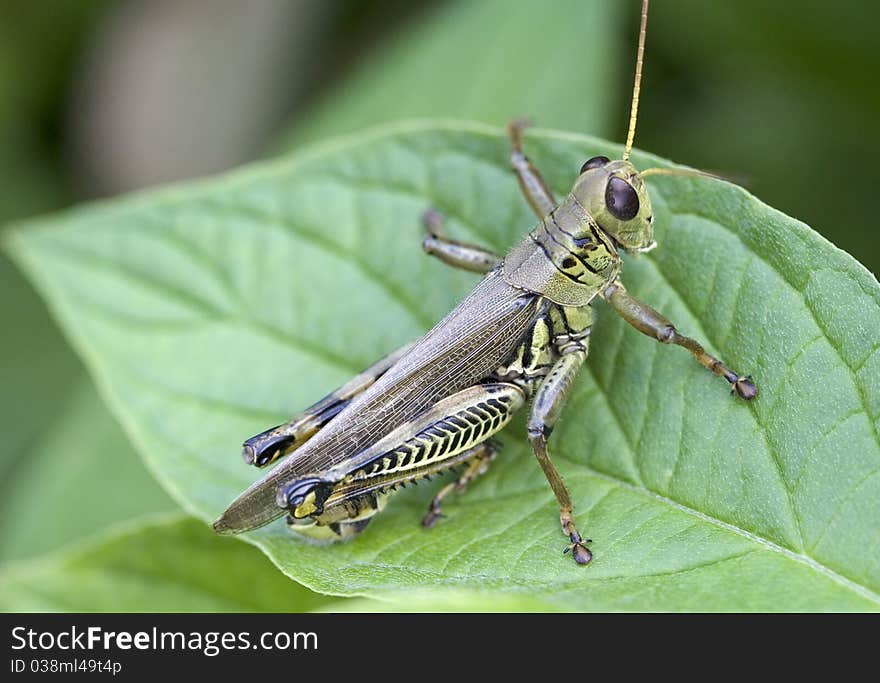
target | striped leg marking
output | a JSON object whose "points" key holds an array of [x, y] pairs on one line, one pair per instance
{"points": [[452, 432], [269, 446]]}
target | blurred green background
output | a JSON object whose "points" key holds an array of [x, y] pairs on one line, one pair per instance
{"points": [[101, 97]]}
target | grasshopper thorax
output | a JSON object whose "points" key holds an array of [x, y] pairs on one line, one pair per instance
{"points": [[614, 194]]}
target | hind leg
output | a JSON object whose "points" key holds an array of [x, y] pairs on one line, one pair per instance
{"points": [[267, 447], [479, 464], [454, 431], [334, 531]]}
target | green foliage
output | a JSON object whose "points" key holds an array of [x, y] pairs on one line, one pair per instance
{"points": [[170, 564], [60, 446], [78, 477], [211, 311], [488, 61], [778, 94], [38, 369], [443, 600]]}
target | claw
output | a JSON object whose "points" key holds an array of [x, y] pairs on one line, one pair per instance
{"points": [[579, 551], [745, 388], [581, 554], [432, 219], [578, 548], [515, 130], [431, 518]]}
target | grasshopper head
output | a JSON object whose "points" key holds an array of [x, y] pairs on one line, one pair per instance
{"points": [[304, 497], [615, 195], [613, 192]]}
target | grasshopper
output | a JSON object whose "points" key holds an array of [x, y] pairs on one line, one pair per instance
{"points": [[522, 334]]}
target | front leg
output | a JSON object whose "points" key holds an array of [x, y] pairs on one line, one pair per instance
{"points": [[548, 405], [533, 186], [649, 322], [458, 254]]}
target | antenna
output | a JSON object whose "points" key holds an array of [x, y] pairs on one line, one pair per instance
{"points": [[693, 173], [634, 107], [689, 172]]}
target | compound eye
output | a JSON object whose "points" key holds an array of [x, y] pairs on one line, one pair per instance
{"points": [[595, 162], [621, 199]]}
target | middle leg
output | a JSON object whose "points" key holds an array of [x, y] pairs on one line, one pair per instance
{"points": [[651, 323], [548, 404], [452, 252]]}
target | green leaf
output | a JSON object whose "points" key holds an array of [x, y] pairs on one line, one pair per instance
{"points": [[82, 463], [444, 600], [486, 60], [209, 312], [171, 564], [34, 357]]}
